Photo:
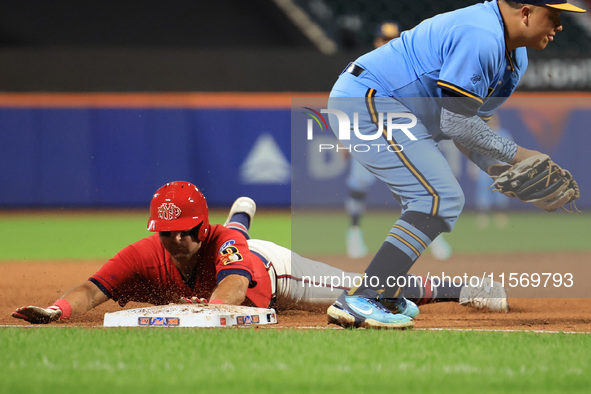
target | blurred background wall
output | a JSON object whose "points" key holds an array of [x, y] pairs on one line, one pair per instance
{"points": [[102, 102], [227, 45]]}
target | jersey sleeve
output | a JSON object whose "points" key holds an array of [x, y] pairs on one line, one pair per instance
{"points": [[121, 275], [234, 257], [115, 274], [470, 59]]}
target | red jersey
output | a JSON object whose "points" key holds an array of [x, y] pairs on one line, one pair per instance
{"points": [[145, 272]]}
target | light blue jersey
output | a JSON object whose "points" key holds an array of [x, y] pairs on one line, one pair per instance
{"points": [[462, 52], [456, 54], [391, 106]]}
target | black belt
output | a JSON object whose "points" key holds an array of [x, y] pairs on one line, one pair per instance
{"points": [[354, 69]]}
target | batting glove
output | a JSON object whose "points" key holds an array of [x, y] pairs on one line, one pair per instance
{"points": [[37, 315], [193, 300]]}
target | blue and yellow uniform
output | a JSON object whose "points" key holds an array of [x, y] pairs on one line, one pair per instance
{"points": [[456, 54], [461, 52], [451, 72]]}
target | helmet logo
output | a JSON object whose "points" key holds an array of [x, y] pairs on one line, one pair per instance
{"points": [[168, 211]]}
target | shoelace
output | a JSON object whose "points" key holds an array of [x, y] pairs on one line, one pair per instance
{"points": [[378, 304]]}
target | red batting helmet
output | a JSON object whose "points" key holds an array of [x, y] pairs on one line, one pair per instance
{"points": [[179, 206]]}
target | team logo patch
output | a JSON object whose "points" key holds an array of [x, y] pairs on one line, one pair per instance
{"points": [[226, 244], [169, 211], [230, 255], [476, 78], [159, 321], [247, 320]]}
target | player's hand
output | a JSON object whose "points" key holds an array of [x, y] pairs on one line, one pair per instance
{"points": [[193, 300], [37, 315], [497, 169], [522, 154]]}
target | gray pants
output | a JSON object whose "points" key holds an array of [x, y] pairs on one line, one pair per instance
{"points": [[297, 279]]}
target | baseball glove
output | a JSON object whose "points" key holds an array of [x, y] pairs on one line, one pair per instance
{"points": [[540, 181]]}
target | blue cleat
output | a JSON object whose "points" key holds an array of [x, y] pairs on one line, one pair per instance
{"points": [[364, 310], [401, 305]]}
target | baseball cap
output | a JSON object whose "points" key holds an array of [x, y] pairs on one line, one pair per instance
{"points": [[558, 4], [388, 30]]}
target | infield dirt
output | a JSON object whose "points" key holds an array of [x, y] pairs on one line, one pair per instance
{"points": [[41, 283]]}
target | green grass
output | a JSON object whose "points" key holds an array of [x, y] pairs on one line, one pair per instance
{"points": [[320, 233], [99, 235], [57, 359], [69, 235], [275, 227]]}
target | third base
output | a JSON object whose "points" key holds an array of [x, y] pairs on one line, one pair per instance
{"points": [[191, 315]]}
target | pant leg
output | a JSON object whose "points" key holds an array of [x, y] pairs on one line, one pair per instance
{"points": [[359, 179], [414, 170], [299, 279], [398, 148]]}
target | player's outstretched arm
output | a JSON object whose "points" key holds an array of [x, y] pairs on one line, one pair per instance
{"points": [[78, 300], [492, 166], [484, 145], [231, 290]]}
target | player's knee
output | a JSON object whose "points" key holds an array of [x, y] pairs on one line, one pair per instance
{"points": [[458, 200], [452, 204]]}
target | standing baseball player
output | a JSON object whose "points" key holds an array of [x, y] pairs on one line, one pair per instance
{"points": [[190, 260], [360, 180], [440, 80]]}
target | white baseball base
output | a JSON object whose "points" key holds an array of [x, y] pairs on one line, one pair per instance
{"points": [[191, 315]]}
